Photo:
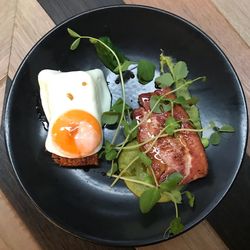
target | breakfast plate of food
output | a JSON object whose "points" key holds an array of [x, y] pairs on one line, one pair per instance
{"points": [[126, 125]]}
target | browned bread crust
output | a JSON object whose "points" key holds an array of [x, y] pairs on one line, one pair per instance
{"points": [[76, 162]]}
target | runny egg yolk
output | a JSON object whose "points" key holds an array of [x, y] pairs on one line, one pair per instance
{"points": [[77, 132]]}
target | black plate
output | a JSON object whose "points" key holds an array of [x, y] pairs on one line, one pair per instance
{"points": [[82, 202]]}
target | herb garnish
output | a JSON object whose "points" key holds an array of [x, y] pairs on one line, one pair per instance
{"points": [[145, 71], [130, 164]]}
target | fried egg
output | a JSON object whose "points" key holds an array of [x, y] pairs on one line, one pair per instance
{"points": [[73, 103]]}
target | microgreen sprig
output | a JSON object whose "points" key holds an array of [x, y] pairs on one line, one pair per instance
{"points": [[147, 116], [177, 71], [170, 123], [94, 40], [215, 137], [119, 114]]}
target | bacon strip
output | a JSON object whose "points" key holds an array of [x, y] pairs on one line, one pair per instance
{"points": [[183, 153]]}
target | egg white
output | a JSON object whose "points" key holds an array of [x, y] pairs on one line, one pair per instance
{"points": [[88, 89]]}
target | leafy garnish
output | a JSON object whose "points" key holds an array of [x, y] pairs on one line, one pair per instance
{"points": [[110, 117], [215, 138], [111, 155], [175, 226], [190, 198], [177, 74], [105, 54], [205, 142], [159, 106], [166, 61], [164, 80], [75, 44], [113, 116], [73, 33], [180, 71], [212, 124], [192, 101], [148, 199], [145, 159], [113, 169], [138, 168], [130, 129], [171, 182], [176, 196], [226, 128], [109, 151], [145, 71], [171, 124], [117, 106], [124, 66], [194, 116], [182, 101]]}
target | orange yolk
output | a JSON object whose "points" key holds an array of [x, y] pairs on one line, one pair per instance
{"points": [[77, 132]]}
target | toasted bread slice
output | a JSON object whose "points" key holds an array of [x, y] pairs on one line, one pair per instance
{"points": [[91, 160]]}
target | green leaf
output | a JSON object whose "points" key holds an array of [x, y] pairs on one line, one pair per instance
{"points": [[110, 117], [149, 179], [205, 142], [161, 107], [113, 169], [152, 103], [190, 198], [133, 134], [117, 106], [182, 101], [194, 116], [145, 159], [111, 155], [166, 61], [127, 127], [182, 89], [183, 86], [164, 80], [108, 145], [180, 70], [227, 128], [124, 66], [215, 138], [105, 55], [176, 226], [148, 199], [176, 196], [145, 71], [171, 125], [110, 152], [72, 33], [192, 110], [75, 44], [193, 100], [212, 124], [171, 182]]}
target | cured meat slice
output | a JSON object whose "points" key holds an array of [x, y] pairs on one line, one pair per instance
{"points": [[182, 152]]}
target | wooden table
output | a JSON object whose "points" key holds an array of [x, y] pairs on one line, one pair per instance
{"points": [[23, 22]]}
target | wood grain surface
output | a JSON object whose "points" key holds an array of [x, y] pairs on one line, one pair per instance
{"points": [[237, 14], [22, 24]]}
